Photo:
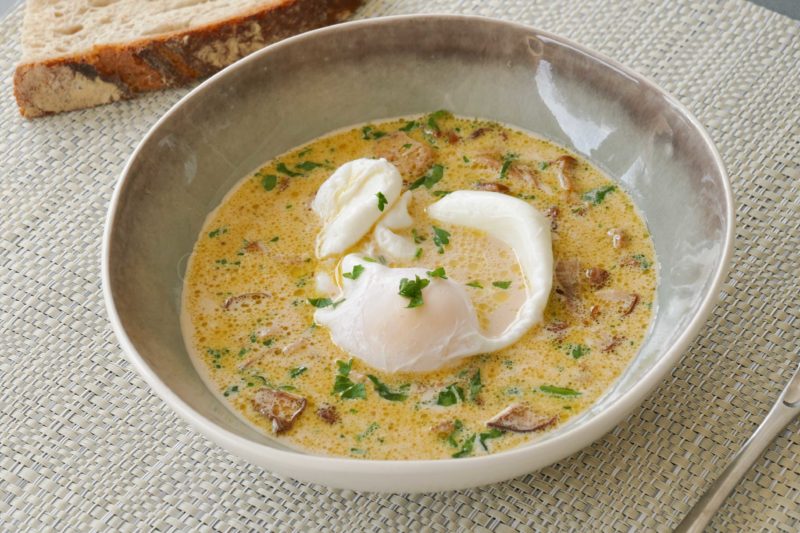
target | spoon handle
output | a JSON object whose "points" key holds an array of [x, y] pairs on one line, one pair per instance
{"points": [[782, 413]]}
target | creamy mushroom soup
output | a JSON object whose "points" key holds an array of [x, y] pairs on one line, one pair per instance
{"points": [[420, 288]]}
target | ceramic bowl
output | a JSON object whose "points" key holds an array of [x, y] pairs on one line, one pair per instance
{"points": [[309, 85]]}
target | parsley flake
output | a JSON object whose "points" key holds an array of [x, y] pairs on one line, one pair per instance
{"points": [[466, 447], [344, 386], [501, 284], [412, 289], [450, 395], [434, 117], [559, 391], [437, 273], [410, 125], [283, 169], [431, 178], [297, 371], [508, 160], [268, 181], [493, 433], [368, 133], [319, 303], [475, 284], [596, 196], [308, 165], [440, 238], [577, 350], [382, 201], [475, 386], [386, 393], [357, 270], [217, 232]]}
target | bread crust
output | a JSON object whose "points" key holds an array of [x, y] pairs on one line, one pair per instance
{"points": [[112, 72]]}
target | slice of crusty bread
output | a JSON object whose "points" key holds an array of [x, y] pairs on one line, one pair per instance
{"points": [[83, 53]]}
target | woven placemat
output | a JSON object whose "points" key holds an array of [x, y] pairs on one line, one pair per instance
{"points": [[84, 444]]}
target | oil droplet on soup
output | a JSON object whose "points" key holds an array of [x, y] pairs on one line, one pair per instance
{"points": [[250, 293]]}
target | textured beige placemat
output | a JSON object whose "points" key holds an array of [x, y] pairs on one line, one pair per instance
{"points": [[85, 445]]}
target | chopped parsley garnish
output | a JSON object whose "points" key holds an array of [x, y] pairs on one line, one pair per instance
{"points": [[344, 386], [596, 196], [367, 432], [368, 133], [386, 393], [491, 434], [417, 237], [559, 391], [358, 451], [369, 259], [501, 284], [643, 262], [437, 273], [441, 194], [466, 447], [412, 289], [308, 165], [297, 371], [577, 350], [475, 386], [476, 284], [466, 159], [508, 160], [450, 395], [304, 152], [434, 117], [440, 238], [451, 438], [406, 146], [382, 201], [543, 165], [357, 270], [217, 232], [431, 178], [410, 125], [233, 389], [274, 239], [418, 253], [287, 388], [283, 169], [268, 181], [319, 303]]}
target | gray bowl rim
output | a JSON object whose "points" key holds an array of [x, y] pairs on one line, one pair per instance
{"points": [[558, 447]]}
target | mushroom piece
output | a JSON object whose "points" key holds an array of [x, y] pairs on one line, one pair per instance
{"points": [[565, 166], [478, 132], [606, 342], [568, 277], [627, 299], [243, 300], [491, 187], [281, 407], [412, 158], [597, 277], [552, 214], [519, 418], [328, 413]]}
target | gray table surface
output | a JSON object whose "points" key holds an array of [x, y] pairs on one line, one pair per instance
{"points": [[789, 8]]}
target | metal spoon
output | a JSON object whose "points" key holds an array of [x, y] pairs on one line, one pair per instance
{"points": [[782, 413]]}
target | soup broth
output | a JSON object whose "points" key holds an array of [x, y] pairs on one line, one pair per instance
{"points": [[253, 283]]}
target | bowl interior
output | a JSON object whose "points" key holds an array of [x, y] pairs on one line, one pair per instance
{"points": [[312, 84]]}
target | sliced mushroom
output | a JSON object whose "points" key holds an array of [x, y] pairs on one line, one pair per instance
{"points": [[519, 418], [412, 158], [557, 326], [628, 300], [293, 346], [594, 312], [568, 273], [565, 166], [619, 239], [605, 342], [243, 300], [281, 407], [597, 277], [479, 132], [328, 413], [492, 187]]}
